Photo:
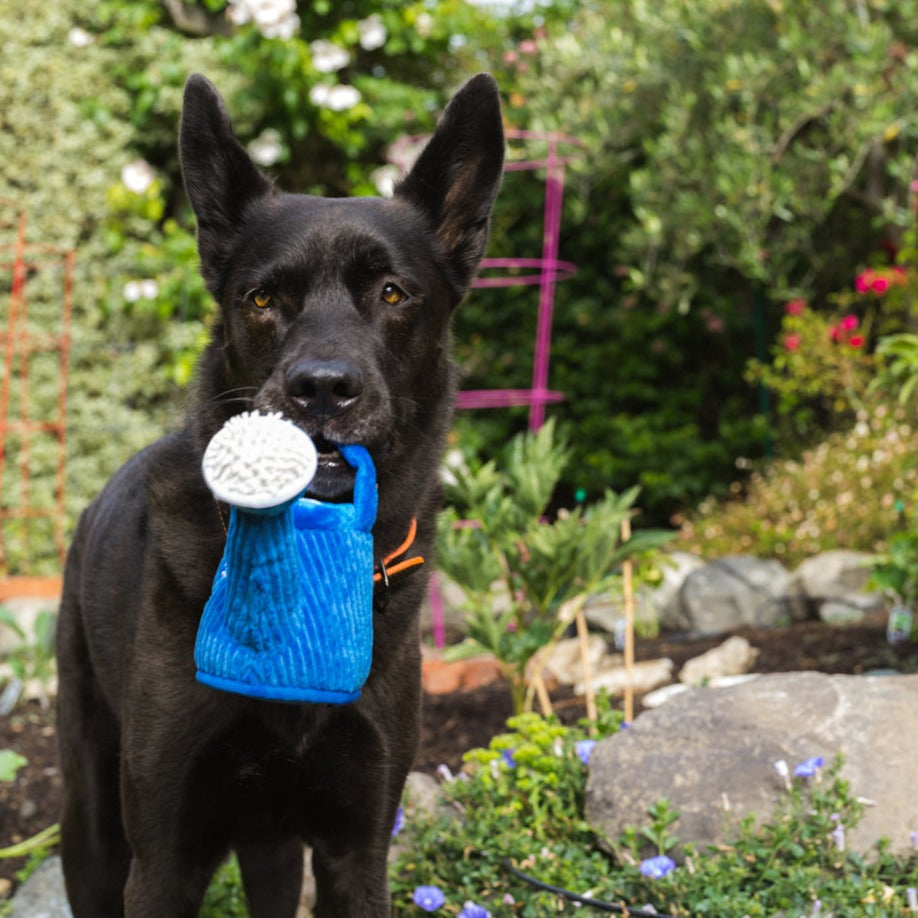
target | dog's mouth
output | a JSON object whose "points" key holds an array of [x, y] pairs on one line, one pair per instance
{"points": [[334, 478]]}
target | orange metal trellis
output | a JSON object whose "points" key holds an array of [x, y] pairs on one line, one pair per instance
{"points": [[36, 301]]}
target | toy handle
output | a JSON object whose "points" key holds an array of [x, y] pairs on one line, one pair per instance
{"points": [[365, 498]]}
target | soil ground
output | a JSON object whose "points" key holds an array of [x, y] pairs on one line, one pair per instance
{"points": [[456, 722]]}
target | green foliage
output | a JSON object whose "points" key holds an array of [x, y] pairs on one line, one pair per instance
{"points": [[896, 571], [741, 128], [900, 372], [527, 807], [540, 565], [734, 155], [522, 798], [10, 763], [225, 897]]}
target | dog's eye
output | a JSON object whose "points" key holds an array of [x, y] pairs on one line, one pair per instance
{"points": [[261, 299], [393, 295]]}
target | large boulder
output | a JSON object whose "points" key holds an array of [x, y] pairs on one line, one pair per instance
{"points": [[705, 748], [733, 591]]}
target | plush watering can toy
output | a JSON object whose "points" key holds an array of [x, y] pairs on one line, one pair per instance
{"points": [[290, 616]]}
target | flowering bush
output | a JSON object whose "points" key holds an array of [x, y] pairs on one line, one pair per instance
{"points": [[846, 492], [819, 372]]}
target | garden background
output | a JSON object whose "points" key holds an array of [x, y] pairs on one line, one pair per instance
{"points": [[740, 213]]}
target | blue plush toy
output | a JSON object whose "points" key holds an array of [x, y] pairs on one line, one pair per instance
{"points": [[290, 616]]}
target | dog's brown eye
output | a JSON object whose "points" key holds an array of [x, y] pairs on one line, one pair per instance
{"points": [[261, 299], [393, 295]]}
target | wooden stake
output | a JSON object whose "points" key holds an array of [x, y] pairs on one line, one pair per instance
{"points": [[583, 635], [628, 590]]}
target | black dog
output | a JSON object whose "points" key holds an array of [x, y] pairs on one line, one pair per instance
{"points": [[335, 312]]}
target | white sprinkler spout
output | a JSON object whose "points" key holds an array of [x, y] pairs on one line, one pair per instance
{"points": [[258, 461]]}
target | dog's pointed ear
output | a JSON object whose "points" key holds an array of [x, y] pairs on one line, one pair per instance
{"points": [[457, 176], [220, 178]]}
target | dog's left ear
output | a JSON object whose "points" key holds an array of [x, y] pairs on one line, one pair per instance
{"points": [[458, 174], [220, 178]]}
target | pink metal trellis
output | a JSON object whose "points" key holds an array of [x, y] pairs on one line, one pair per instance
{"points": [[544, 272], [35, 340]]}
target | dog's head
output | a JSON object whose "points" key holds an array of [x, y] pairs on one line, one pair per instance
{"points": [[335, 311]]}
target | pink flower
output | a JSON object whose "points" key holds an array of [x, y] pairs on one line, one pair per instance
{"points": [[913, 187], [880, 284], [849, 323], [856, 340], [863, 281], [791, 342], [795, 307], [528, 47]]}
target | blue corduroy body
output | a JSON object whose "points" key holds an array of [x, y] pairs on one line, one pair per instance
{"points": [[290, 616]]}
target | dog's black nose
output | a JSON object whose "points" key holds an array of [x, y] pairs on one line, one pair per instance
{"points": [[324, 386]]}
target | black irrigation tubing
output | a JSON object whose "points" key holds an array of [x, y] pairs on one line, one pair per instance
{"points": [[575, 897]]}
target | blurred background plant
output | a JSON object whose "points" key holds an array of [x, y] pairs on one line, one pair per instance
{"points": [[734, 157], [495, 540]]}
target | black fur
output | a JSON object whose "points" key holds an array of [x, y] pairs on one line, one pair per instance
{"points": [[163, 776]]}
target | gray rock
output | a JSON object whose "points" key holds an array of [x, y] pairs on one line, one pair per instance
{"points": [[42, 895], [833, 573], [667, 597], [734, 591], [732, 658], [704, 747], [850, 609]]}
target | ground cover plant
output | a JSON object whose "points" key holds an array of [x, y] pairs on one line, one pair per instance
{"points": [[519, 802]]}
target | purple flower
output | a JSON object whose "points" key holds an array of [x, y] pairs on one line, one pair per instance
{"points": [[471, 910], [507, 758], [809, 767], [399, 821], [584, 749], [656, 867], [429, 898]]}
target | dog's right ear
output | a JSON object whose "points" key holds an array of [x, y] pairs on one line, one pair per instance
{"points": [[220, 178]]}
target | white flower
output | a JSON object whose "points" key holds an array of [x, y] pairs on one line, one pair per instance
{"points": [[372, 32], [339, 98], [444, 773], [385, 179], [327, 57], [137, 176], [336, 98], [424, 24], [80, 38], [273, 18], [135, 290], [783, 772], [266, 148]]}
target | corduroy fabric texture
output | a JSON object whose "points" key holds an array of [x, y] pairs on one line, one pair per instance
{"points": [[290, 616]]}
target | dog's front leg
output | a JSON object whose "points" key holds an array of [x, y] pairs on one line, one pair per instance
{"points": [[172, 793]]}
